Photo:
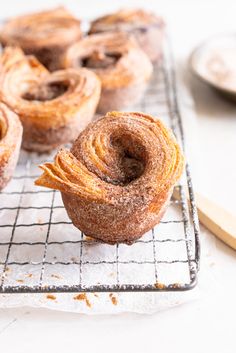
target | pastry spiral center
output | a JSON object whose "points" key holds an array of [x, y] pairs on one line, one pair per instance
{"points": [[46, 92], [131, 159], [100, 60]]}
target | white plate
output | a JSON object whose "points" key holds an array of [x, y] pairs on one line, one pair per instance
{"points": [[214, 62]]}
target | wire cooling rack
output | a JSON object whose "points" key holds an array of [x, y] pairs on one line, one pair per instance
{"points": [[41, 251]]}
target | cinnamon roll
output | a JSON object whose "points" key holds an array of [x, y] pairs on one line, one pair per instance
{"points": [[147, 28], [44, 34], [118, 177], [53, 107], [10, 141], [123, 68]]}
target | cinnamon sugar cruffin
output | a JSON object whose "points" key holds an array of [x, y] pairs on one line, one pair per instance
{"points": [[53, 107], [48, 34], [147, 28], [123, 68], [118, 177]]}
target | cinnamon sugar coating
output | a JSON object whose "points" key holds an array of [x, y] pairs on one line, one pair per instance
{"points": [[53, 107], [118, 177], [10, 141], [45, 34], [147, 28], [123, 68]]}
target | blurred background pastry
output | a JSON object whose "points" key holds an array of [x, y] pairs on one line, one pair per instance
{"points": [[147, 27], [123, 68], [53, 107], [44, 34]]}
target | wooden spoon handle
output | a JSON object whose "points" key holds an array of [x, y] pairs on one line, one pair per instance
{"points": [[216, 219]]}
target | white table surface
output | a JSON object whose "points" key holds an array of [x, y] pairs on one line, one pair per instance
{"points": [[208, 323]]}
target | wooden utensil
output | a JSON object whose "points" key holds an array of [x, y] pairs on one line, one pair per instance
{"points": [[216, 219]]}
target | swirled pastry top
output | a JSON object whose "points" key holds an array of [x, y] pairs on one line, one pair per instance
{"points": [[121, 158], [114, 57], [126, 20], [42, 29], [46, 99]]}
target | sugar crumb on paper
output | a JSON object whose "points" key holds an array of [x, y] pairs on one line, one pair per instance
{"points": [[51, 297], [113, 299], [83, 297]]}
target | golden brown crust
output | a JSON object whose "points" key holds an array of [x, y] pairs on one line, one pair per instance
{"points": [[118, 177], [44, 34], [147, 28], [53, 107], [132, 17], [10, 141], [119, 63]]}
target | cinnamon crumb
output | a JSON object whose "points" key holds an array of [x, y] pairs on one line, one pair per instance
{"points": [[40, 220], [55, 276], [96, 295], [7, 269], [113, 299], [29, 275], [176, 285], [20, 281], [159, 285], [88, 238], [51, 297], [83, 296]]}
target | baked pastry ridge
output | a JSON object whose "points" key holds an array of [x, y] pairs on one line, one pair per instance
{"points": [[10, 142], [44, 34], [118, 177]]}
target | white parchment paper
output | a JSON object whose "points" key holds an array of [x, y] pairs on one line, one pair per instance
{"points": [[91, 303]]}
